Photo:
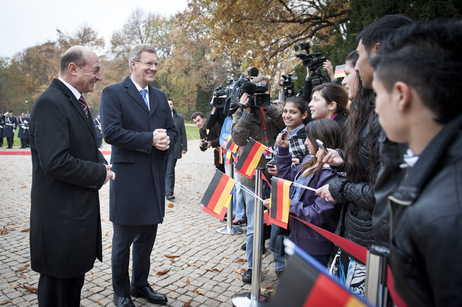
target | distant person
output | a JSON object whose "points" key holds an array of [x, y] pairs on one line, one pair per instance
{"points": [[418, 102], [2, 126], [176, 152], [67, 171], [99, 130], [210, 139], [138, 124], [10, 128], [23, 133]]}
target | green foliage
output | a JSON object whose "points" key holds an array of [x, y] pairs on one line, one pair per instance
{"points": [[192, 132]]}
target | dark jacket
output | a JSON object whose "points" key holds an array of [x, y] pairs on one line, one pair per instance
{"points": [[212, 136], [247, 126], [357, 198], [137, 196], [310, 207], [67, 171], [182, 143], [388, 179], [427, 224]]}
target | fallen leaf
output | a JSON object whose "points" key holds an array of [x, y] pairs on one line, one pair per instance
{"points": [[240, 260], [188, 282], [163, 272], [29, 288], [172, 260], [22, 268], [198, 292], [238, 271], [25, 230], [5, 302], [106, 234], [188, 303], [171, 256], [170, 205]]}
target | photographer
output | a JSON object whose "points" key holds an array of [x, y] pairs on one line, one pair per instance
{"points": [[210, 138], [263, 125]]}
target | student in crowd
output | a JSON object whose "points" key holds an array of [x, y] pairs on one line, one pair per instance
{"points": [[312, 172], [418, 102], [354, 193], [329, 101]]}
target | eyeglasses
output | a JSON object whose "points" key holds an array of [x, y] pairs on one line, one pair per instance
{"points": [[148, 64]]}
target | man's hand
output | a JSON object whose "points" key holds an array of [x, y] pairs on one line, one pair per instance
{"points": [[183, 152], [160, 139], [327, 65], [109, 173], [245, 101]]}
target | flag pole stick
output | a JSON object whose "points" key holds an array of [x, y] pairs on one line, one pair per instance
{"points": [[255, 298], [229, 229]]}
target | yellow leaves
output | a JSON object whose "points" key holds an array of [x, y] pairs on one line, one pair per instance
{"points": [[25, 230], [5, 302], [22, 268], [29, 288], [4, 230], [170, 205]]}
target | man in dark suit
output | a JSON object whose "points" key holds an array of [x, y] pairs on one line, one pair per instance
{"points": [[67, 171], [137, 123], [175, 152]]}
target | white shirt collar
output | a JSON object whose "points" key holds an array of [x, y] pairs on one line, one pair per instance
{"points": [[139, 88], [73, 90]]}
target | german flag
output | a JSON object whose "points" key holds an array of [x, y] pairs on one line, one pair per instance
{"points": [[231, 145], [280, 202], [249, 159], [218, 195], [305, 283], [339, 71]]}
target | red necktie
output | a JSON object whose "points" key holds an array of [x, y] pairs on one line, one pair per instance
{"points": [[84, 105]]}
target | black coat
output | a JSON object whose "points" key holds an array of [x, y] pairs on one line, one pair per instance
{"points": [[182, 142], [67, 171], [137, 196], [427, 224]]}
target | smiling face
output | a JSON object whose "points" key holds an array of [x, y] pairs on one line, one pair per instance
{"points": [[351, 80], [318, 106], [312, 148], [292, 116], [87, 76], [144, 70]]}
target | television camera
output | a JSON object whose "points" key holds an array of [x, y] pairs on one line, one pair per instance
{"points": [[313, 61]]}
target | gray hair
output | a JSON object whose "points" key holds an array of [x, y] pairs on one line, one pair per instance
{"points": [[135, 53]]}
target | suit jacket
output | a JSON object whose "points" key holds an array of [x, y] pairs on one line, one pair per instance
{"points": [[67, 171], [137, 196], [182, 142]]}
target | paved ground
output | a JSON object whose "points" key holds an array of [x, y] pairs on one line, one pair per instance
{"points": [[192, 263]]}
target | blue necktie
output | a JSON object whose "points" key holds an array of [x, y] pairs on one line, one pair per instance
{"points": [[143, 93]]}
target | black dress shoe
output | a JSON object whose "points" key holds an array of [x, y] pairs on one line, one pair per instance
{"points": [[170, 197], [149, 294], [123, 301], [247, 277]]}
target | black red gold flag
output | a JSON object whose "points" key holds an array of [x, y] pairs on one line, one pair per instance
{"points": [[305, 282], [280, 202], [249, 159], [218, 195]]}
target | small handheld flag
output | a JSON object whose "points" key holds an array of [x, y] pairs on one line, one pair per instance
{"points": [[250, 158], [339, 71], [218, 195], [280, 202]]}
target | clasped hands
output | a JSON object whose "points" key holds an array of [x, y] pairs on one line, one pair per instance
{"points": [[160, 139]]}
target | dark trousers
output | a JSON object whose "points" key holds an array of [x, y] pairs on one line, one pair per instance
{"points": [[59, 292], [142, 237], [170, 174], [10, 142]]}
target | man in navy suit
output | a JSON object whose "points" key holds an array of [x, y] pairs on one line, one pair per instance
{"points": [[67, 171], [137, 123]]}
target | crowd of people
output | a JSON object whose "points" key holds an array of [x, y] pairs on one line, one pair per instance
{"points": [[381, 151]]}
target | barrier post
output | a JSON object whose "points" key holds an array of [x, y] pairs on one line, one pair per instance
{"points": [[229, 229], [255, 298], [376, 290]]}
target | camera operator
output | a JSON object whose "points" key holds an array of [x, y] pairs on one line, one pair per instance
{"points": [[263, 125], [210, 138]]}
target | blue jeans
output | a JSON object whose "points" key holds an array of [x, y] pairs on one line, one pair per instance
{"points": [[276, 246], [249, 212], [170, 174], [238, 199]]}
